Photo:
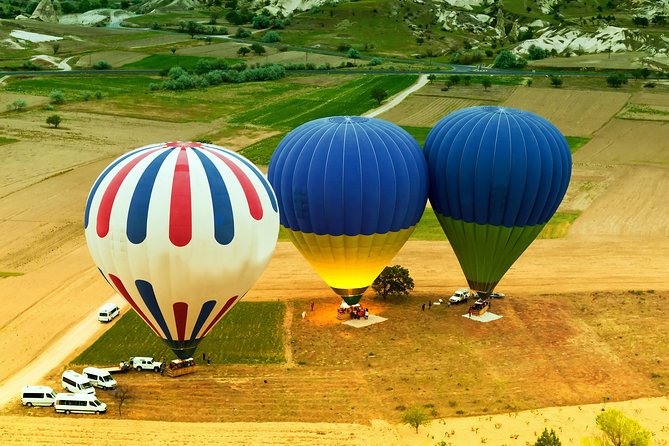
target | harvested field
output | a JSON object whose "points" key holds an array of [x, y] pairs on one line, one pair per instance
{"points": [[425, 111], [574, 112], [608, 61], [114, 58]]}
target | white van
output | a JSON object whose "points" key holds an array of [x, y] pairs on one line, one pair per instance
{"points": [[140, 363], [76, 383], [37, 396], [108, 312], [79, 403], [99, 378]]}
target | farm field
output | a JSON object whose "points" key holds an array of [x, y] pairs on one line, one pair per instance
{"points": [[574, 319]]}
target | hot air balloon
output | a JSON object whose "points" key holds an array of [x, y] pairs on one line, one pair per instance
{"points": [[181, 230], [497, 175], [351, 190]]}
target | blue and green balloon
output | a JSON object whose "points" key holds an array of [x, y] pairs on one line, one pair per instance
{"points": [[497, 175], [350, 191]]}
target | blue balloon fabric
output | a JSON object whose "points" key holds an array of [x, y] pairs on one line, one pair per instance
{"points": [[497, 166], [349, 175]]}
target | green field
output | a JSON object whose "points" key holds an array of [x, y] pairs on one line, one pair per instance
{"points": [[261, 152], [576, 142], [4, 274], [419, 133], [4, 140], [558, 226], [252, 333], [351, 98], [167, 61], [73, 86]]}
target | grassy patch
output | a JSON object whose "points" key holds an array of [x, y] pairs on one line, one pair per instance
{"points": [[73, 86], [261, 152], [428, 228], [558, 226], [4, 274], [252, 333], [350, 98], [4, 140], [576, 142], [167, 61], [419, 133]]}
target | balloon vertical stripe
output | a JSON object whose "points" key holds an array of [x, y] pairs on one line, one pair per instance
{"points": [[256, 172], [224, 226], [180, 318], [146, 291], [220, 314], [124, 292], [102, 176], [181, 219], [205, 311], [104, 212], [252, 198], [138, 212]]}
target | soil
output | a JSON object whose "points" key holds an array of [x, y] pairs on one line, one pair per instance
{"points": [[583, 319]]}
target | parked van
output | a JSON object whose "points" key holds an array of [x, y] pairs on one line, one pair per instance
{"points": [[99, 378], [79, 403], [108, 312], [140, 363], [37, 396], [76, 383]]}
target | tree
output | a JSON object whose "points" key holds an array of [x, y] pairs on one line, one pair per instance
{"points": [[556, 81], [193, 28], [122, 395], [378, 94], [548, 439], [53, 120], [618, 430], [243, 51], [506, 59], [258, 49], [102, 65], [55, 46], [56, 97], [415, 417], [353, 54], [529, 82], [535, 52], [214, 14], [271, 37], [487, 83], [616, 80], [17, 105], [393, 280], [242, 33], [432, 77]]}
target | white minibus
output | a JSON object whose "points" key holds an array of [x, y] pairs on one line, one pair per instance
{"points": [[37, 396], [108, 312], [79, 403], [76, 383], [99, 378]]}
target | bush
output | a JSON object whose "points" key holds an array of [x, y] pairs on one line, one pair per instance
{"points": [[86, 96], [98, 94], [17, 105], [102, 65], [536, 53], [271, 37], [375, 61], [616, 80], [506, 59], [53, 120], [242, 33], [56, 97], [548, 439]]}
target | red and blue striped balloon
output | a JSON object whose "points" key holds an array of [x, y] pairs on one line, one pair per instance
{"points": [[181, 230]]}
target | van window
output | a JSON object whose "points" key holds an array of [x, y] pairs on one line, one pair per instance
{"points": [[33, 395]]}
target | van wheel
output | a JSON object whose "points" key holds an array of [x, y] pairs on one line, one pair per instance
{"points": [[67, 411], [139, 368], [29, 404], [97, 412], [156, 369]]}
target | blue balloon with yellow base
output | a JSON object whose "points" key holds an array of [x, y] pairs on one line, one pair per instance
{"points": [[497, 176], [350, 191]]}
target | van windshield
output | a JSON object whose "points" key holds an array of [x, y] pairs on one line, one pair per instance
{"points": [[85, 385], [95, 403], [105, 378]]}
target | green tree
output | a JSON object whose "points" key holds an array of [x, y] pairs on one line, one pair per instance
{"points": [[55, 46], [353, 54], [271, 37], [193, 27], [102, 65], [258, 49], [535, 52], [616, 80], [56, 97], [556, 81], [243, 51], [415, 417], [54, 121], [487, 83], [242, 33], [393, 280], [378, 94], [17, 105], [618, 430], [548, 439], [506, 59], [432, 77]]}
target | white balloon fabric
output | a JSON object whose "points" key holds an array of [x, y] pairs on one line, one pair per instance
{"points": [[181, 230]]}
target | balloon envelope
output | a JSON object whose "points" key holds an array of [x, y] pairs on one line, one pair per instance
{"points": [[497, 175], [350, 190], [181, 230]]}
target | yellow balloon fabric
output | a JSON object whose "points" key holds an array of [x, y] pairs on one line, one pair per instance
{"points": [[348, 262]]}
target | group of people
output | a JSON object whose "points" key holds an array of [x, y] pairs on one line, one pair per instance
{"points": [[355, 312]]}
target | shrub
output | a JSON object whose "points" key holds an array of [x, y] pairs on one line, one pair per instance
{"points": [[98, 94], [53, 120], [56, 97], [375, 61], [102, 65], [17, 105], [242, 33], [507, 59], [271, 37]]}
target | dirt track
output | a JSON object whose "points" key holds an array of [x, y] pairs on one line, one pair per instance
{"points": [[619, 243]]}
